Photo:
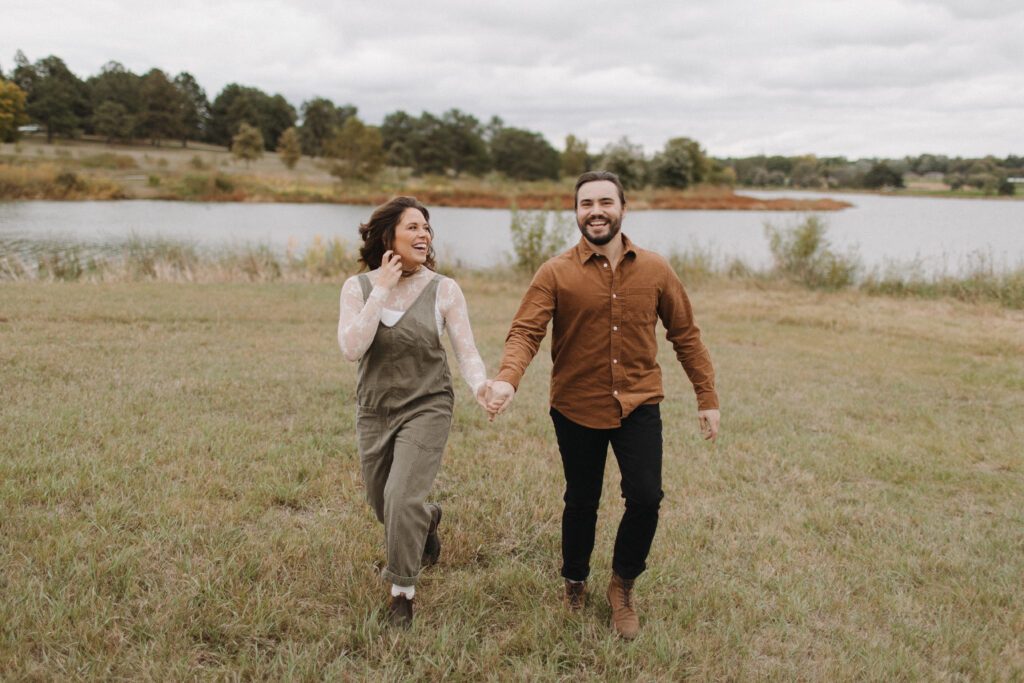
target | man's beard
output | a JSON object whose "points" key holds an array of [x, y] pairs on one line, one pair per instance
{"points": [[614, 225]]}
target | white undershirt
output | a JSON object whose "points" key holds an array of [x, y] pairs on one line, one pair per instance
{"points": [[391, 317]]}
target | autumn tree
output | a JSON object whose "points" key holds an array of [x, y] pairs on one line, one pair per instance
{"points": [[289, 148], [12, 110], [247, 144]]}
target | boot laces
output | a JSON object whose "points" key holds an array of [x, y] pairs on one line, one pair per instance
{"points": [[627, 595]]}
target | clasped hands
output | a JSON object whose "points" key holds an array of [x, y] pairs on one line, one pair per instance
{"points": [[495, 396]]}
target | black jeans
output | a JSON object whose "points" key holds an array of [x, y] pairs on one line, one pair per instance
{"points": [[637, 447]]}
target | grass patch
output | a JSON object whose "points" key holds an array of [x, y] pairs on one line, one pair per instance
{"points": [[108, 160], [173, 260], [180, 497]]}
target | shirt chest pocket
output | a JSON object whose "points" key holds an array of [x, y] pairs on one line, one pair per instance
{"points": [[640, 305]]}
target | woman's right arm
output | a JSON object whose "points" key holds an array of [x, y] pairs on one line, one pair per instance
{"points": [[357, 322]]}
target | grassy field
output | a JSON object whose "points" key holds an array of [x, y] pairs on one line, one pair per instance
{"points": [[180, 497]]}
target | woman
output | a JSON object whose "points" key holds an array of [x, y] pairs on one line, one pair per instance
{"points": [[391, 322]]}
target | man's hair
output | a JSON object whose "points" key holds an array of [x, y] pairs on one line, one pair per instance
{"points": [[591, 176], [378, 233]]}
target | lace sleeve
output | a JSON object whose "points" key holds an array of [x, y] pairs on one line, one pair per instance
{"points": [[452, 304], [357, 323]]}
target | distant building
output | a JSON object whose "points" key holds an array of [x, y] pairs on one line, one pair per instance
{"points": [[1015, 180]]}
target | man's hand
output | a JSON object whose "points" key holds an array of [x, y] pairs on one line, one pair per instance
{"points": [[499, 396], [708, 420]]}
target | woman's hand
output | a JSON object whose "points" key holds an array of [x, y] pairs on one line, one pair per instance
{"points": [[481, 393], [390, 270], [499, 396]]}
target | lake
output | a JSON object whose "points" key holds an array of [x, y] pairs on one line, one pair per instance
{"points": [[941, 235]]}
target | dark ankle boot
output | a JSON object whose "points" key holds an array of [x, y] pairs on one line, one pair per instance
{"points": [[400, 611], [432, 547], [575, 595]]}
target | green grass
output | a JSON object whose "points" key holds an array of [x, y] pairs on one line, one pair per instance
{"points": [[180, 497]]}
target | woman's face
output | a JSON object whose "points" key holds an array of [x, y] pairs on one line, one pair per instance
{"points": [[412, 239]]}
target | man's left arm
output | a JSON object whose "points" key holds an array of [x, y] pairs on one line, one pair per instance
{"points": [[681, 330]]}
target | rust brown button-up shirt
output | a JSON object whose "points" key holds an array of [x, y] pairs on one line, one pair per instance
{"points": [[603, 345]]}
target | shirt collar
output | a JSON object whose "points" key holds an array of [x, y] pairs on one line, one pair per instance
{"points": [[584, 251]]}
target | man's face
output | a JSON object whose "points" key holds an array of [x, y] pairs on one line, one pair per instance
{"points": [[599, 211]]}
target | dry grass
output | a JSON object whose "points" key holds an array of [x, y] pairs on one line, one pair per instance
{"points": [[180, 498]]}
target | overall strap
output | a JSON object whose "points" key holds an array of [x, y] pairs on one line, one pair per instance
{"points": [[364, 283]]}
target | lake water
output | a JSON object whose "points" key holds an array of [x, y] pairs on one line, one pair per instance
{"points": [[938, 234]]}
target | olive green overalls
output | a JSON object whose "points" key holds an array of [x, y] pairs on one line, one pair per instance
{"points": [[405, 398]]}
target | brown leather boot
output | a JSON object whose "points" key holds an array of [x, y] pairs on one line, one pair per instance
{"points": [[620, 596], [575, 595]]}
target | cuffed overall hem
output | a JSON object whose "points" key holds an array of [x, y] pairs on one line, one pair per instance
{"points": [[396, 579]]}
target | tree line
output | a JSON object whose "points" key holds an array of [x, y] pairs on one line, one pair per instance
{"points": [[989, 174], [122, 106]]}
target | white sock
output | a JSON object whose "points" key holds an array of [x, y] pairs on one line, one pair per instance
{"points": [[407, 591]]}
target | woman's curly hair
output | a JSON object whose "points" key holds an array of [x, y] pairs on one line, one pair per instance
{"points": [[378, 233]]}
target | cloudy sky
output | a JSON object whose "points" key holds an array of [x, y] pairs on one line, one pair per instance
{"points": [[859, 78]]}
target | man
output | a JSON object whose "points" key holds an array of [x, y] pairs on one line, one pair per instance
{"points": [[604, 297]]}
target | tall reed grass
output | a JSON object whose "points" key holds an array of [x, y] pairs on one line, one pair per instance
{"points": [[802, 255], [164, 259]]}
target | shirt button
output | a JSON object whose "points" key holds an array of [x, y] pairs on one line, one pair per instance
{"points": [[613, 296], [614, 328], [616, 392], [615, 360], [606, 265]]}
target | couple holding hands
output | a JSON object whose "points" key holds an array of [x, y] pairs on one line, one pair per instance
{"points": [[603, 297]]}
